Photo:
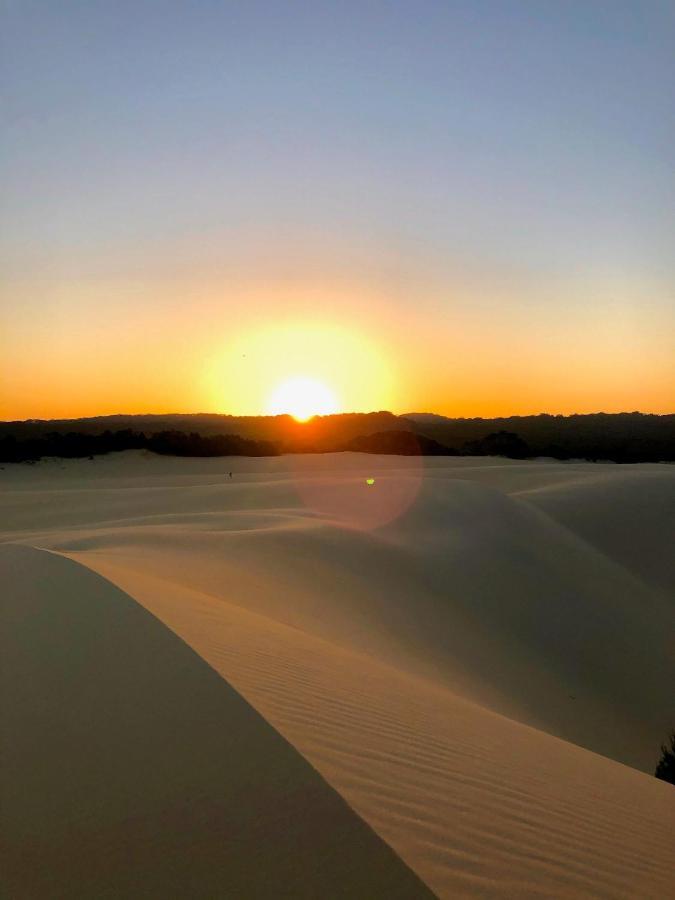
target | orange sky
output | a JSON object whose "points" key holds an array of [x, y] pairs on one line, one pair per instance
{"points": [[460, 207], [99, 349]]}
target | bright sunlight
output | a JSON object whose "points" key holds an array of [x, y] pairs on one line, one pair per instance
{"points": [[302, 398], [298, 367]]}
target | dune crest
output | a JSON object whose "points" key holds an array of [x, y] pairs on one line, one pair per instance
{"points": [[130, 768], [476, 804]]}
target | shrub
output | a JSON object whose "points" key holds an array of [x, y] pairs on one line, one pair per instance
{"points": [[665, 769]]}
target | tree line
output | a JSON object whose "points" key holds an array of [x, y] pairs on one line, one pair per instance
{"points": [[78, 444], [75, 445]]}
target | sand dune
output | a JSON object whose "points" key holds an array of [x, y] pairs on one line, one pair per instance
{"points": [[640, 537], [428, 667], [477, 804], [129, 768]]}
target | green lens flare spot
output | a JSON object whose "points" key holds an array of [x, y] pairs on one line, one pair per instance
{"points": [[370, 481]]}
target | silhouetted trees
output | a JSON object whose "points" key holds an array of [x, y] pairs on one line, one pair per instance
{"points": [[177, 443], [620, 437], [401, 443], [665, 770], [500, 443], [75, 445]]}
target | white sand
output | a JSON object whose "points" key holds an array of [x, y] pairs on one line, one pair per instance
{"points": [[130, 769], [434, 669]]}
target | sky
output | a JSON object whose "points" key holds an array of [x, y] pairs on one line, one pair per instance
{"points": [[465, 207]]}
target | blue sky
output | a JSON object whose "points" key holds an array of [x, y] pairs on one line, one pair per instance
{"points": [[516, 157]]}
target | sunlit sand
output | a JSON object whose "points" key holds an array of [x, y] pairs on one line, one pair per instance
{"points": [[445, 675]]}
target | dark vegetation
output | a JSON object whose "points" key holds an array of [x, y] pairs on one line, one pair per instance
{"points": [[167, 443], [321, 431], [623, 437], [665, 769], [500, 443], [619, 437], [402, 443]]}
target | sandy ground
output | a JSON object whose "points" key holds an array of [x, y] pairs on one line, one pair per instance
{"points": [[476, 655]]}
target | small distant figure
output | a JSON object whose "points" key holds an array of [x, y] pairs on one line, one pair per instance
{"points": [[230, 474]]}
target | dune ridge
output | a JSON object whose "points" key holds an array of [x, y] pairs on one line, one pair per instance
{"points": [[477, 804], [129, 768]]}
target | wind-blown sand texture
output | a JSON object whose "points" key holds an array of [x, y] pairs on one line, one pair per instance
{"points": [[477, 655]]}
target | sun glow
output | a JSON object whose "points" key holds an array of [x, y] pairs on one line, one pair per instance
{"points": [[302, 398], [298, 367]]}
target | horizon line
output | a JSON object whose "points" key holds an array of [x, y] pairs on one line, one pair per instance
{"points": [[35, 420]]}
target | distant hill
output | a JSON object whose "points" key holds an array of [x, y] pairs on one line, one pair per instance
{"points": [[400, 443], [623, 437], [424, 418], [320, 433]]}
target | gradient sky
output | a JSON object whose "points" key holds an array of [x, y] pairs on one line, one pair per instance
{"points": [[465, 207]]}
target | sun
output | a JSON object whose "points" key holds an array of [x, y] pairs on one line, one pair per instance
{"points": [[302, 398]]}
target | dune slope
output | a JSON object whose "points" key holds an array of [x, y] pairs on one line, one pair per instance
{"points": [[130, 768], [429, 665], [469, 586], [476, 804], [639, 536]]}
